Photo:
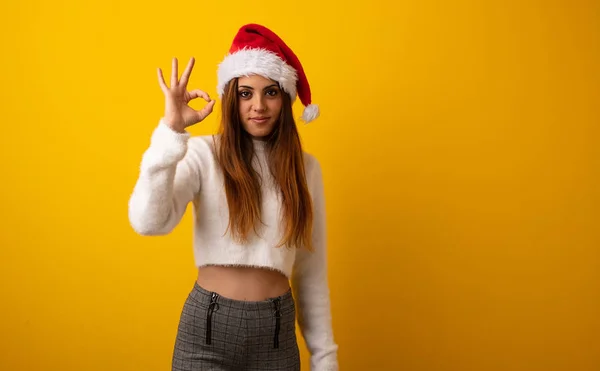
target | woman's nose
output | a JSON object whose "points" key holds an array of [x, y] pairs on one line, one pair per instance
{"points": [[258, 104]]}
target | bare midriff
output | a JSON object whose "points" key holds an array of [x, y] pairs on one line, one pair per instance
{"points": [[243, 283]]}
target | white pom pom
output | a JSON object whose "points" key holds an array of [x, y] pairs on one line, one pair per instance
{"points": [[310, 113]]}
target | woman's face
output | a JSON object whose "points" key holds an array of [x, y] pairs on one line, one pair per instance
{"points": [[259, 103]]}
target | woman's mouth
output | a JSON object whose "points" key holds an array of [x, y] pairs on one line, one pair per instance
{"points": [[259, 120]]}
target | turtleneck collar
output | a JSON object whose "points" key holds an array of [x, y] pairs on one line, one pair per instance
{"points": [[259, 145]]}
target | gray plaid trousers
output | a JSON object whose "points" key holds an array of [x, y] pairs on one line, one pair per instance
{"points": [[218, 333]]}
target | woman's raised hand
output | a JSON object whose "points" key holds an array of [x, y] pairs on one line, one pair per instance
{"points": [[178, 114]]}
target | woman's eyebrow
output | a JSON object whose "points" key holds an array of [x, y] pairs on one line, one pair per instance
{"points": [[265, 88]]}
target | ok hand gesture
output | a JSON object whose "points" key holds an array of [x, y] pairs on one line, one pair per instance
{"points": [[178, 114]]}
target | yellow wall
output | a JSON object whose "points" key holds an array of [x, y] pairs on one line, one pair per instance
{"points": [[459, 142]]}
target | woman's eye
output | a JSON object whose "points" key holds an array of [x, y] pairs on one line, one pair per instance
{"points": [[272, 92], [244, 94]]}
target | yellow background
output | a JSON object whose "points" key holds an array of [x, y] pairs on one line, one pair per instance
{"points": [[459, 142]]}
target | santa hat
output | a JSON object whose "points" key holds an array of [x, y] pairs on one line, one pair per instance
{"points": [[258, 50]]}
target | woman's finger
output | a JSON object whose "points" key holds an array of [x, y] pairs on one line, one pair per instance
{"points": [[186, 74], [199, 93], [204, 112], [174, 73], [161, 81]]}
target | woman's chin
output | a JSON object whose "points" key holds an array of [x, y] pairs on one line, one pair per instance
{"points": [[259, 131]]}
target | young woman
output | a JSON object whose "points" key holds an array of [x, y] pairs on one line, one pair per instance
{"points": [[259, 213]]}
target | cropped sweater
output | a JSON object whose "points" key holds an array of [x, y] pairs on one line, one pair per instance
{"points": [[177, 169]]}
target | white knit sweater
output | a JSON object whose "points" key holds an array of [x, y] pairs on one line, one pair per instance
{"points": [[178, 168]]}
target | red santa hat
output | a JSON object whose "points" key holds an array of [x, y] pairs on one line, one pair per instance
{"points": [[258, 50]]}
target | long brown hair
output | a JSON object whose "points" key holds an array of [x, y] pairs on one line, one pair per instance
{"points": [[242, 183]]}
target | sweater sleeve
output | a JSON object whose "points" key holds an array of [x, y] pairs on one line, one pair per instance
{"points": [[311, 287], [169, 179]]}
